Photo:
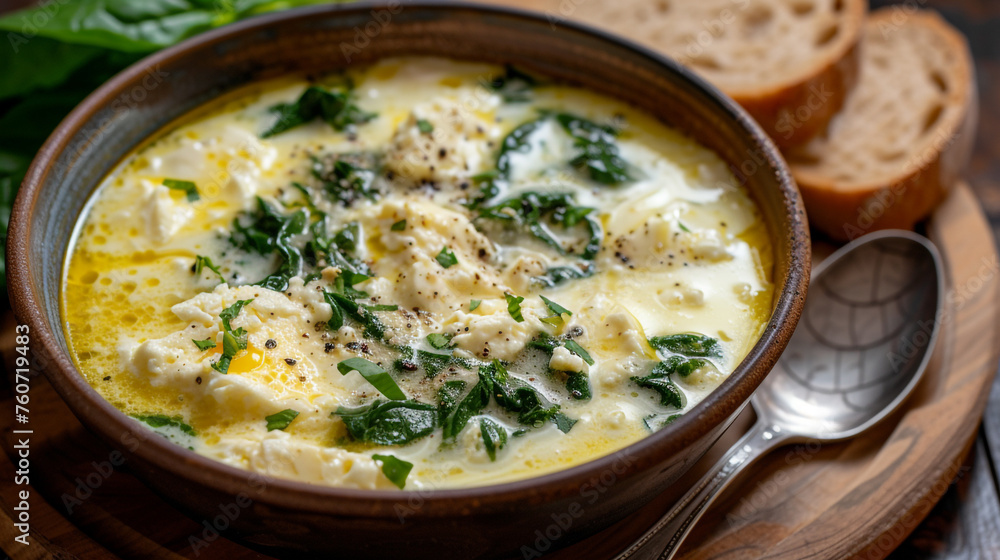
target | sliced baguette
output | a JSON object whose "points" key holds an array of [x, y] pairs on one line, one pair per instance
{"points": [[905, 132], [790, 63]]}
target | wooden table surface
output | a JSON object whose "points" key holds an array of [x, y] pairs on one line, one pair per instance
{"points": [[966, 522]]}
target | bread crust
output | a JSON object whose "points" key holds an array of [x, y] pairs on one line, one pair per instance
{"points": [[845, 211]]}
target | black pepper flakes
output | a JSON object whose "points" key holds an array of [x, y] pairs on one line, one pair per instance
{"points": [[328, 347], [290, 361], [271, 344]]}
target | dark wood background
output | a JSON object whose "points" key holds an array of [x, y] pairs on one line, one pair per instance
{"points": [[965, 525]]}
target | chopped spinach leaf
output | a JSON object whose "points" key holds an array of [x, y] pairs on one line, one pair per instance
{"points": [[270, 231], [555, 307], [456, 407], [396, 470], [514, 306], [494, 436], [390, 422], [518, 141], [654, 422], [514, 85], [446, 258], [398, 226], [597, 150], [161, 420], [514, 395], [578, 385], [346, 177], [233, 340], [201, 263], [474, 304], [334, 107], [560, 274], [374, 374], [689, 344], [280, 420], [659, 381], [206, 344], [439, 340], [189, 188], [528, 210], [575, 348], [424, 126], [563, 422]]}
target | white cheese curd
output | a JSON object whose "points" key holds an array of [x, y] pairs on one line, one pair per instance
{"points": [[421, 274]]}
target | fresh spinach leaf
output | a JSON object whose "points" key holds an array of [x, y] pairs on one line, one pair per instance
{"points": [[202, 262], [688, 344], [206, 344], [456, 407], [474, 304], [578, 385], [187, 187], [439, 340], [516, 396], [539, 212], [161, 420], [398, 226], [446, 258], [513, 85], [347, 177], [514, 306]]}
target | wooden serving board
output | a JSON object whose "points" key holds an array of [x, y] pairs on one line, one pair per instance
{"points": [[858, 499]]}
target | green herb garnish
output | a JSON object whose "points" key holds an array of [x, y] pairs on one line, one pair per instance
{"points": [[456, 408], [575, 348], [281, 420], [439, 340], [597, 150], [424, 126], [398, 226], [233, 340], [539, 213], [494, 436], [396, 470], [189, 188], [555, 307], [202, 262], [390, 422], [514, 306], [374, 374], [206, 344], [161, 420], [446, 257], [333, 107], [474, 304]]}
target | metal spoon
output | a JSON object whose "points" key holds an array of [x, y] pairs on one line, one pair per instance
{"points": [[863, 343]]}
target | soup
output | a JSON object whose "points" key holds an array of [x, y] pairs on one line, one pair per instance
{"points": [[418, 274]]}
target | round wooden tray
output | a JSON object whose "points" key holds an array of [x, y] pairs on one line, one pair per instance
{"points": [[858, 499]]}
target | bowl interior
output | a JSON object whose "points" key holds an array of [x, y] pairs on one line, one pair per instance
{"points": [[149, 95]]}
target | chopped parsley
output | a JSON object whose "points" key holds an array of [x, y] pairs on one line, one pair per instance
{"points": [[398, 226], [439, 340], [474, 304], [281, 420]]}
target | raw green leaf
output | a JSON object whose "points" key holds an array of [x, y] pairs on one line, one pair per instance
{"points": [[374, 374], [396, 470], [188, 187], [280, 420]]}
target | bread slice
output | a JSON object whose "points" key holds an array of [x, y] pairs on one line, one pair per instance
{"points": [[790, 63], [904, 135]]}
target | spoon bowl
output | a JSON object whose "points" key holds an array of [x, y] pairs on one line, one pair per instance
{"points": [[863, 342], [866, 334]]}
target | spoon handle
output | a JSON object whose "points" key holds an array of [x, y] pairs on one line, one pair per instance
{"points": [[663, 540]]}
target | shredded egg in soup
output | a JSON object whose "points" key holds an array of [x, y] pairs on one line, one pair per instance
{"points": [[419, 274]]}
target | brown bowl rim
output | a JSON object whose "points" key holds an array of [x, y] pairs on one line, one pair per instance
{"points": [[98, 414]]}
